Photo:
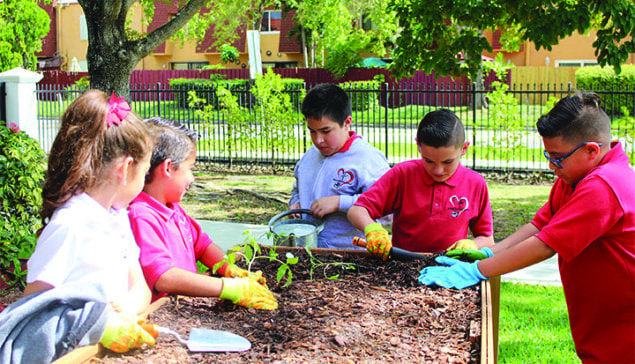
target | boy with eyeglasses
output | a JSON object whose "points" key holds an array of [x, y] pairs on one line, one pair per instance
{"points": [[589, 221]]}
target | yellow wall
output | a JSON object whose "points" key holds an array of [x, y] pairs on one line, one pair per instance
{"points": [[68, 42], [575, 47]]}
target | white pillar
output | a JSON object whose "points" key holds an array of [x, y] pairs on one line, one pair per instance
{"points": [[21, 100]]}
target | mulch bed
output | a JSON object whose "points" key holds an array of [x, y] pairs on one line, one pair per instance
{"points": [[377, 312]]}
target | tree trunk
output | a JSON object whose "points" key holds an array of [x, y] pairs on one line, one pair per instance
{"points": [[111, 55], [304, 47]]}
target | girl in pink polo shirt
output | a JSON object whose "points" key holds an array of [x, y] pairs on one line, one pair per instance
{"points": [[171, 242]]}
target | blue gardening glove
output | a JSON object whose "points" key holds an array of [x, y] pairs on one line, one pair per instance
{"points": [[457, 275], [470, 255]]}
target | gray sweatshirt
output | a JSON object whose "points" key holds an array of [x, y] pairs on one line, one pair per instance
{"points": [[347, 173]]}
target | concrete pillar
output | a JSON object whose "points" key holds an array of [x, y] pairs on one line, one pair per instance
{"points": [[21, 100]]}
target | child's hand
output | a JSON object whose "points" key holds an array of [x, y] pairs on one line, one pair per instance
{"points": [[464, 244], [248, 293], [124, 332], [377, 240], [325, 205], [236, 272], [470, 255], [295, 206], [458, 275]]}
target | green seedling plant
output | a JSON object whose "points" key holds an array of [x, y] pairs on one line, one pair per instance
{"points": [[316, 263], [251, 251]]}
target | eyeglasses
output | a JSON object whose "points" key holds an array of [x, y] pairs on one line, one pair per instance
{"points": [[558, 161]]}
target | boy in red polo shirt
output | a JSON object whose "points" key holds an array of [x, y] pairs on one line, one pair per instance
{"points": [[434, 200], [589, 221]]}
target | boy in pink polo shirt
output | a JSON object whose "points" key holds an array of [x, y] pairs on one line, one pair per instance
{"points": [[434, 200], [171, 242], [589, 221]]}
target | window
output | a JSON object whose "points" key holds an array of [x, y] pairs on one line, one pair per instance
{"points": [[188, 65], [83, 29], [576, 63], [271, 21]]}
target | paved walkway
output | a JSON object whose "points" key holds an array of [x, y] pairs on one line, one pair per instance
{"points": [[227, 235]]}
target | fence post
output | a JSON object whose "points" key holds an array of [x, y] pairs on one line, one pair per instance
{"points": [[474, 96], [21, 99], [3, 102], [384, 92], [159, 98]]}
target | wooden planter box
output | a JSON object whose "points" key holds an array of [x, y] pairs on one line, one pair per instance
{"points": [[490, 301]]}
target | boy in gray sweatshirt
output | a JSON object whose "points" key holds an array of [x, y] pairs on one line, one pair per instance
{"points": [[339, 166]]}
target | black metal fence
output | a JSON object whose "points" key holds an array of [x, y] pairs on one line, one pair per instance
{"points": [[500, 126]]}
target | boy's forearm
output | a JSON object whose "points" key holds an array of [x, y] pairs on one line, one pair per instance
{"points": [[214, 254], [524, 254], [484, 241], [182, 282], [359, 217], [520, 235]]}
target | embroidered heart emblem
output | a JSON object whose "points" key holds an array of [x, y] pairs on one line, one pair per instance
{"points": [[459, 205], [344, 176]]}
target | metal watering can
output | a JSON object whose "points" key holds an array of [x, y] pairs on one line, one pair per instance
{"points": [[295, 232]]}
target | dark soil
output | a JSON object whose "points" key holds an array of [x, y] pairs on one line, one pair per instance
{"points": [[377, 312]]}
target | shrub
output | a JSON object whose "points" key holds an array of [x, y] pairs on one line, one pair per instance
{"points": [[598, 78], [22, 166], [205, 89], [361, 101]]}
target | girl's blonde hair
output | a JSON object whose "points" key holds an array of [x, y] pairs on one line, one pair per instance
{"points": [[85, 145]]}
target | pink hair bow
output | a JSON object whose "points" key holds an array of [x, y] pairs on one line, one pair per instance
{"points": [[118, 109]]}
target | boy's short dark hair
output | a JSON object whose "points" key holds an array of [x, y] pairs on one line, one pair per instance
{"points": [[172, 140], [577, 118], [328, 100], [441, 128]]}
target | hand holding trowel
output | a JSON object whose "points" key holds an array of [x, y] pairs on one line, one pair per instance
{"points": [[393, 252]]}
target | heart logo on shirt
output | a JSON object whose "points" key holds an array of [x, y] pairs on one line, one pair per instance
{"points": [[458, 205], [343, 177]]}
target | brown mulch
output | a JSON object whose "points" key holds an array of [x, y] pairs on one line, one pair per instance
{"points": [[377, 312]]}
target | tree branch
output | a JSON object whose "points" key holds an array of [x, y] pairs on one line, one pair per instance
{"points": [[147, 44]]}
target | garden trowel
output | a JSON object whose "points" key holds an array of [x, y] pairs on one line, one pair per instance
{"points": [[395, 253], [206, 340]]}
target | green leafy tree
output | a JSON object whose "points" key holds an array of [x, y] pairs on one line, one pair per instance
{"points": [[267, 126], [441, 35], [507, 126], [336, 33], [23, 24]]}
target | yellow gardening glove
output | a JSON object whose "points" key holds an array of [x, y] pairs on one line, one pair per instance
{"points": [[247, 292], [234, 271], [377, 240], [464, 244], [124, 332]]}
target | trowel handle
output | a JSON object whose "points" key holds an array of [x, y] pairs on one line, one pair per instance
{"points": [[357, 241], [152, 329]]}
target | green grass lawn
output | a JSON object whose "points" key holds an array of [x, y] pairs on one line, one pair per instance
{"points": [[534, 325]]}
